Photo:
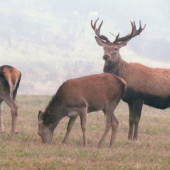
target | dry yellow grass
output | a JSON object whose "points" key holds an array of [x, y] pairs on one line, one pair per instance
{"points": [[25, 150]]}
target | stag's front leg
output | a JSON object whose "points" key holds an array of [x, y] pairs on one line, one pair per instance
{"points": [[135, 109], [1, 118], [69, 127], [130, 121]]}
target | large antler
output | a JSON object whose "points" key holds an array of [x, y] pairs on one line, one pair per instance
{"points": [[97, 31], [132, 34]]}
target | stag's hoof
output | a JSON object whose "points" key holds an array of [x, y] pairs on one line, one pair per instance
{"points": [[111, 147], [64, 143], [129, 138], [16, 132], [99, 146], [135, 139]]}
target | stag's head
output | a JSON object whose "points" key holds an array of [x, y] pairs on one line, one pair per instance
{"points": [[111, 49]]}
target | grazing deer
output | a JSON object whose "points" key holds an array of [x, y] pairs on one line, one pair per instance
{"points": [[77, 97], [9, 82], [145, 85]]}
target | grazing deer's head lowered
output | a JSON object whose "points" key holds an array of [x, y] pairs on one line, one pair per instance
{"points": [[111, 49], [145, 85], [77, 97]]}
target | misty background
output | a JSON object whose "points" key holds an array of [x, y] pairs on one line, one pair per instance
{"points": [[52, 41]]}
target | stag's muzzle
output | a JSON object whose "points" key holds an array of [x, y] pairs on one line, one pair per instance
{"points": [[105, 57]]}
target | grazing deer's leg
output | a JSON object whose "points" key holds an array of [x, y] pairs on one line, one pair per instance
{"points": [[14, 109], [69, 127], [14, 94], [83, 117], [110, 121], [1, 118], [115, 124], [108, 125], [15, 91], [135, 109]]}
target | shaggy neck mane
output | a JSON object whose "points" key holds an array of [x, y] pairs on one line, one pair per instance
{"points": [[53, 112], [117, 67]]}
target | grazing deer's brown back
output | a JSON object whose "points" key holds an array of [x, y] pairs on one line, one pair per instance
{"points": [[91, 89]]}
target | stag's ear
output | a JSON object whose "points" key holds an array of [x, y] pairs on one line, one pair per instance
{"points": [[40, 116], [100, 42]]}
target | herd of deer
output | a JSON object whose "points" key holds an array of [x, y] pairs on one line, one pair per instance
{"points": [[134, 83]]}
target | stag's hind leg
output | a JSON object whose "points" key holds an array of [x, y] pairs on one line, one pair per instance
{"points": [[111, 121], [14, 109], [1, 118]]}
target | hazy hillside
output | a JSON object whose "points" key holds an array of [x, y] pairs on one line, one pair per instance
{"points": [[51, 41], [46, 47]]}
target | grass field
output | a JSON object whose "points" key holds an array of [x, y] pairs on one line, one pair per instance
{"points": [[25, 150]]}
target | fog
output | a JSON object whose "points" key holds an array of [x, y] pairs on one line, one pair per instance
{"points": [[52, 41]]}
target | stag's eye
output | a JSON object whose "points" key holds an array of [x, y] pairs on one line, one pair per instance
{"points": [[115, 48]]}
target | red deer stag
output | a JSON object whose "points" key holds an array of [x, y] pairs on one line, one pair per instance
{"points": [[77, 97], [145, 85], [9, 83]]}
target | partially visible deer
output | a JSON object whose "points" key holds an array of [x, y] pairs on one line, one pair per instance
{"points": [[77, 97], [145, 85], [9, 82]]}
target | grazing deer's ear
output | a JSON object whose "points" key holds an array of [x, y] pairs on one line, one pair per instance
{"points": [[40, 115], [100, 42]]}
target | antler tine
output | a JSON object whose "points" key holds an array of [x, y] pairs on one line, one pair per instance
{"points": [[134, 32], [117, 36], [97, 31], [143, 27], [94, 26], [125, 38], [137, 32]]}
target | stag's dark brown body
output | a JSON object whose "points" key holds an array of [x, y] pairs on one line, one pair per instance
{"points": [[151, 85], [145, 85], [80, 96]]}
